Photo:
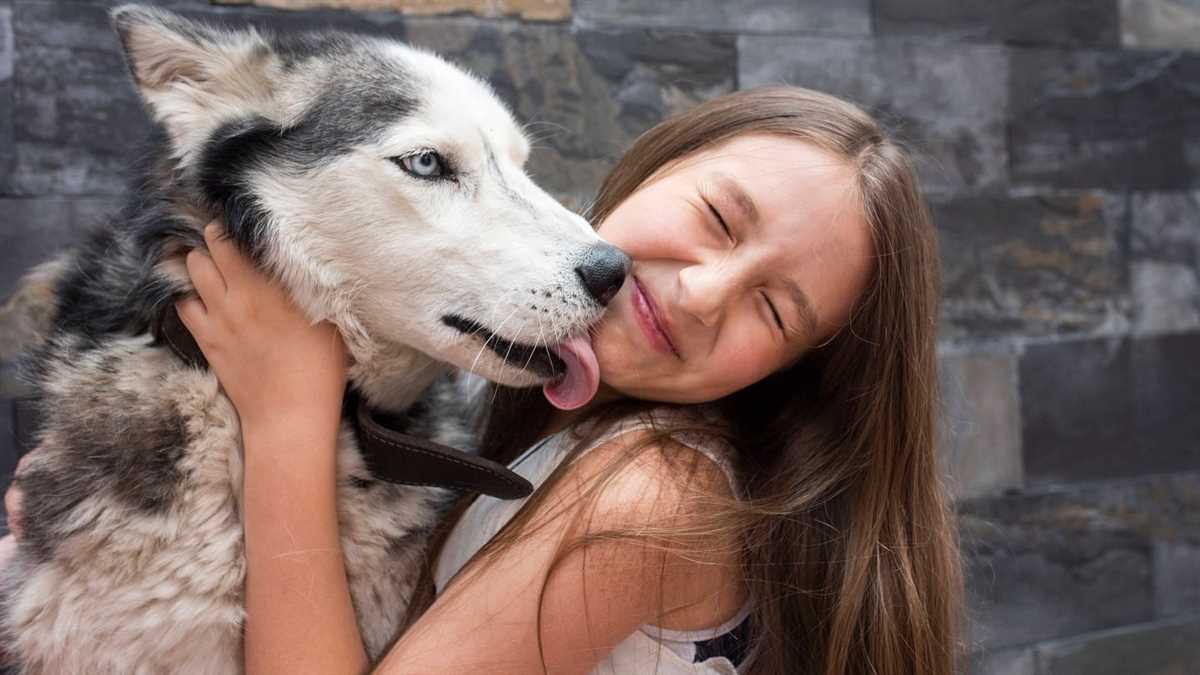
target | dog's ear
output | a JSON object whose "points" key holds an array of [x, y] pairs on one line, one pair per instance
{"points": [[183, 67]]}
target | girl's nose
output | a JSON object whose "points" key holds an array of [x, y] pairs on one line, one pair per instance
{"points": [[703, 291]]}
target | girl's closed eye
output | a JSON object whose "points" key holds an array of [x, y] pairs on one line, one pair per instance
{"points": [[715, 213], [775, 317], [720, 220]]}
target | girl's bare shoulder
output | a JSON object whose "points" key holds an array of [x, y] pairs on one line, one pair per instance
{"points": [[665, 494]]}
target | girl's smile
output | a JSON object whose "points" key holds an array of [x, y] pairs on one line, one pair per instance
{"points": [[651, 320]]}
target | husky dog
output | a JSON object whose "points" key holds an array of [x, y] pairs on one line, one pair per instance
{"points": [[383, 188]]}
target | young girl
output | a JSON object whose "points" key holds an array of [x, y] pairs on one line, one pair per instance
{"points": [[754, 485]]}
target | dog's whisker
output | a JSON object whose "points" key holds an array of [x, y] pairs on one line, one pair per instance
{"points": [[536, 342], [493, 334]]}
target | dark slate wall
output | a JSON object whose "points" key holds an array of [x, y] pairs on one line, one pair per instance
{"points": [[1059, 142]]}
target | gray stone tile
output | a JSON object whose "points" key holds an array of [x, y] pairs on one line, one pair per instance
{"points": [[1002, 662], [1110, 408], [947, 101], [981, 423], [1166, 297], [1031, 581], [1166, 226], [846, 17], [585, 94], [1176, 577], [1060, 22], [1076, 405], [7, 151], [1165, 648], [1165, 248], [33, 230], [1045, 563], [383, 23], [1104, 119], [76, 111], [1160, 24], [169, 4], [1166, 396], [1032, 264]]}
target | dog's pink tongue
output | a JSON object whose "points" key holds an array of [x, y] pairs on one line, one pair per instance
{"points": [[582, 380]]}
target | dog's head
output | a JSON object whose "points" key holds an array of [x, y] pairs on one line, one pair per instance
{"points": [[384, 187]]}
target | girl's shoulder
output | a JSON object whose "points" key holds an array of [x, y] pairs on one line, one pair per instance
{"points": [[688, 434], [669, 487]]}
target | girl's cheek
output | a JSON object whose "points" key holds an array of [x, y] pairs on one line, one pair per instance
{"points": [[756, 357]]}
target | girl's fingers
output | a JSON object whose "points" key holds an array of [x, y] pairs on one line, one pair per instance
{"points": [[205, 276], [231, 262], [191, 311]]}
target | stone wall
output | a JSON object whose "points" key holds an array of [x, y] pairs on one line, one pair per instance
{"points": [[1059, 142]]}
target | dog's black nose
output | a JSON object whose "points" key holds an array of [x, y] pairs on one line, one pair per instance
{"points": [[603, 271]]}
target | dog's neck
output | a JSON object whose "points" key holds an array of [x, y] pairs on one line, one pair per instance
{"points": [[392, 378]]}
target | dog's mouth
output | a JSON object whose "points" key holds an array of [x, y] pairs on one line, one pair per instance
{"points": [[539, 360], [570, 368]]}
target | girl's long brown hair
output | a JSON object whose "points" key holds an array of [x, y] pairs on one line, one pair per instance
{"points": [[847, 544]]}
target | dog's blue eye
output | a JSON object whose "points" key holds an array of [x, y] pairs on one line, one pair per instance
{"points": [[427, 164]]}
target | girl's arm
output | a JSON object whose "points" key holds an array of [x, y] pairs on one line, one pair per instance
{"points": [[286, 378], [490, 619], [298, 613]]}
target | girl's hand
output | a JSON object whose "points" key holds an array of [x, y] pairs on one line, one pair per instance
{"points": [[274, 364]]}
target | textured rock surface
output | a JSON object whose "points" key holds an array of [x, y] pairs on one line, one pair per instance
{"points": [[1106, 408], [1061, 22], [1096, 119], [1166, 261], [981, 443], [1038, 264], [6, 95], [1003, 662], [1060, 562], [75, 109], [846, 17], [1177, 577], [539, 10], [948, 101], [1161, 24], [1167, 648]]}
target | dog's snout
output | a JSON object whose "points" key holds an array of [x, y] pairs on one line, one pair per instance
{"points": [[603, 271]]}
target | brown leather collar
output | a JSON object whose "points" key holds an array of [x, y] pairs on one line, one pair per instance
{"points": [[390, 454]]}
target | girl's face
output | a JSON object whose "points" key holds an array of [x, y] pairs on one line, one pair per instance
{"points": [[745, 255]]}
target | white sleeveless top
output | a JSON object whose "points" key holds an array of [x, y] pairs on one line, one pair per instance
{"points": [[648, 650]]}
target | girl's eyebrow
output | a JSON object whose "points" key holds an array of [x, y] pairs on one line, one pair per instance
{"points": [[733, 193]]}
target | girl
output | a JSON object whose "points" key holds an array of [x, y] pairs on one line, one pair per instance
{"points": [[753, 486]]}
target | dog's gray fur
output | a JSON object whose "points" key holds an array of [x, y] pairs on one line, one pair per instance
{"points": [[132, 556]]}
